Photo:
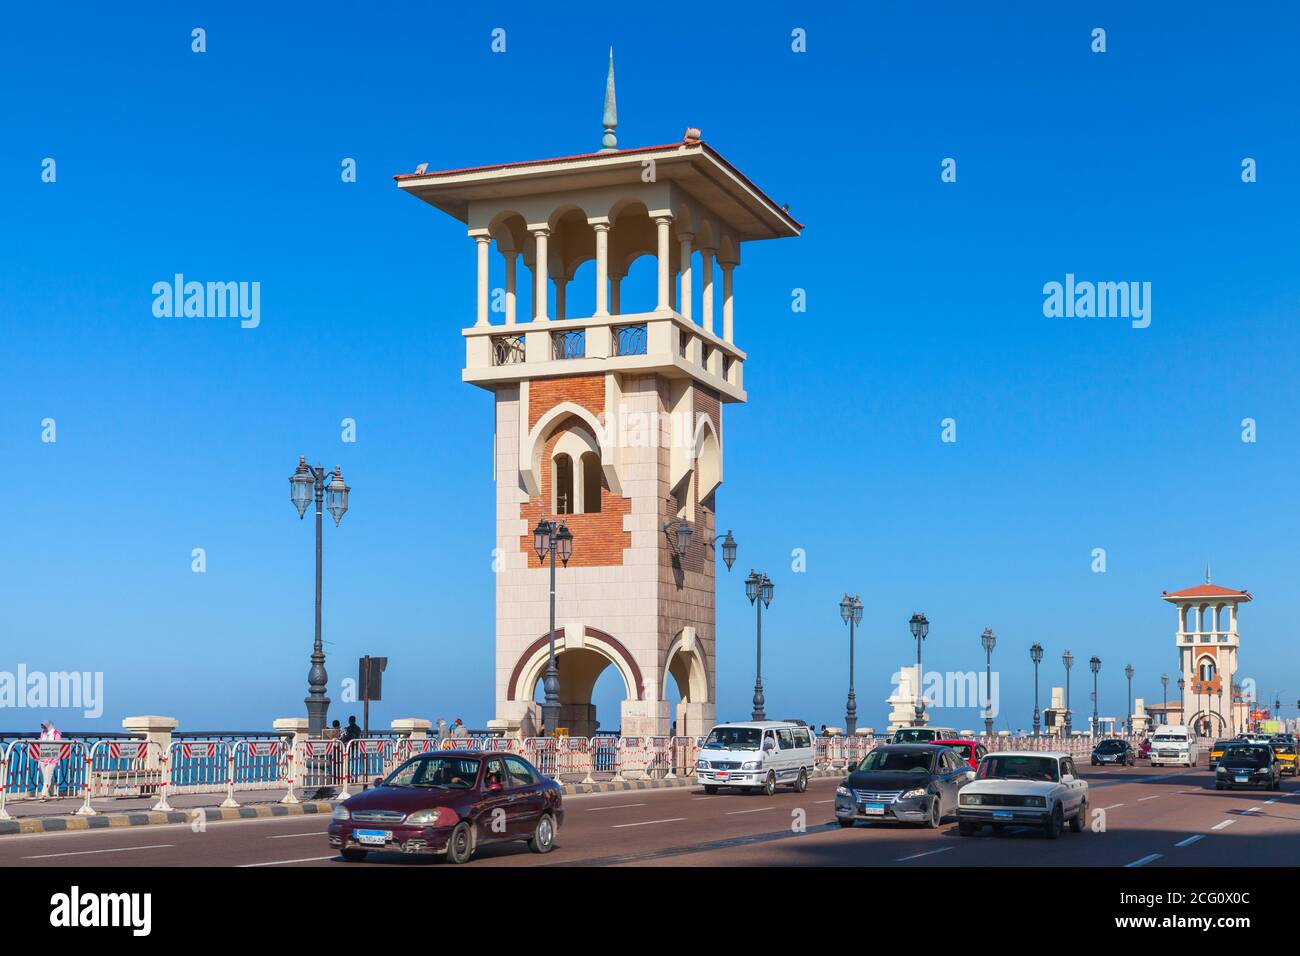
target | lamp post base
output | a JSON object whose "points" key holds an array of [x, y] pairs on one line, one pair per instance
{"points": [[317, 711]]}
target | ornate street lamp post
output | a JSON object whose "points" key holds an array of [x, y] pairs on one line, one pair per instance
{"points": [[306, 484], [851, 614], [1128, 721], [758, 588], [1182, 686], [1094, 665], [1068, 660], [919, 627], [1164, 694], [555, 539], [1036, 655], [988, 640]]}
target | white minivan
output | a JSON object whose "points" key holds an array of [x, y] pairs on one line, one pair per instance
{"points": [[1175, 744], [756, 755]]}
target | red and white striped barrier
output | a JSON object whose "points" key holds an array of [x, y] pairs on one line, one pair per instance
{"points": [[44, 768], [199, 766], [367, 758], [260, 763], [132, 768]]}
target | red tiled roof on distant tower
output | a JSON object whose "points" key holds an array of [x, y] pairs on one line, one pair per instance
{"points": [[1205, 591]]}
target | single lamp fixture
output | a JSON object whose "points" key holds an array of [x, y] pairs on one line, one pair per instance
{"points": [[336, 496], [1036, 653], [988, 640], [729, 550], [919, 625], [301, 483]]}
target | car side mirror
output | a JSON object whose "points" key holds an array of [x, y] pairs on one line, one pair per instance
{"points": [[379, 782]]}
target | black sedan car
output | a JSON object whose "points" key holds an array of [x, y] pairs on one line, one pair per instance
{"points": [[1248, 765], [903, 783], [1114, 751]]}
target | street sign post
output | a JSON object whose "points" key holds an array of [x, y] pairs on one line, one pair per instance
{"points": [[370, 682]]}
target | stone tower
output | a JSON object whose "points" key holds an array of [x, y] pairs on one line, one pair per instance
{"points": [[610, 422], [1208, 643]]}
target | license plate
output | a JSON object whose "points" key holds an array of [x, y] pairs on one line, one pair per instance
{"points": [[722, 775], [873, 809], [1242, 779], [372, 837], [1003, 815]]}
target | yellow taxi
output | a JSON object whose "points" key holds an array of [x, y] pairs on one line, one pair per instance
{"points": [[1216, 752], [1284, 752]]}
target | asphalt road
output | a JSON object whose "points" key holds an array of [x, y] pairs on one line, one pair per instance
{"points": [[1151, 817]]}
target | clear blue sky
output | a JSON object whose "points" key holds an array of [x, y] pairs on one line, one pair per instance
{"points": [[925, 302]]}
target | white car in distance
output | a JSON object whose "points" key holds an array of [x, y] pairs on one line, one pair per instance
{"points": [[1018, 788]]}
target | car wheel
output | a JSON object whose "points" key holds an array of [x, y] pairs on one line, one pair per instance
{"points": [[352, 856], [543, 840], [935, 816], [801, 782], [1052, 828], [769, 785], [460, 845], [1077, 821], [846, 823], [1218, 786], [966, 829], [708, 789], [999, 828]]}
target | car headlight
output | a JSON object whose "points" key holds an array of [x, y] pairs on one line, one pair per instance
{"points": [[341, 813], [913, 794], [752, 765], [431, 818], [1222, 769], [969, 799], [842, 791], [1035, 802], [701, 765]]}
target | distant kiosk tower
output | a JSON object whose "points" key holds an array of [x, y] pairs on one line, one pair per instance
{"points": [[609, 421], [1207, 655]]}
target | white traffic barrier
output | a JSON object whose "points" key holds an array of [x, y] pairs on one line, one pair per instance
{"points": [[322, 764], [260, 764], [131, 768], [573, 757], [199, 766], [604, 756], [367, 758], [540, 752], [46, 768]]}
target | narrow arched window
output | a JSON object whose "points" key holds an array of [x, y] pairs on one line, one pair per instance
{"points": [[590, 483], [562, 467]]}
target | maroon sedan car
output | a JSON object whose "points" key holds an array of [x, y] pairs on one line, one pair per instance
{"points": [[451, 802]]}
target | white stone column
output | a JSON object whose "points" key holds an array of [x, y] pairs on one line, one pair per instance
{"points": [[728, 308], [602, 266], [156, 730], [662, 224], [615, 294], [561, 288], [414, 728], [511, 296], [687, 240], [540, 276], [706, 288], [482, 243]]}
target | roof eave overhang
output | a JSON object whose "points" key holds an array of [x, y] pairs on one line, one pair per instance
{"points": [[452, 191]]}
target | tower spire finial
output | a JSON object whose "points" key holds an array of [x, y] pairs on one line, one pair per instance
{"points": [[1207, 572], [609, 142]]}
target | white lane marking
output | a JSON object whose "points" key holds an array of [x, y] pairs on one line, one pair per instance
{"points": [[291, 836], [647, 823], [1251, 810], [309, 859], [1156, 797], [823, 801], [916, 856], [1190, 840], [1145, 860], [1224, 825], [1268, 802], [117, 849], [617, 806], [1113, 806], [732, 813]]}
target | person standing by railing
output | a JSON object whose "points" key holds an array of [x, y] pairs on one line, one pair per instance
{"points": [[48, 766]]}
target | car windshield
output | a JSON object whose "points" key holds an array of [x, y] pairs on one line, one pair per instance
{"points": [[897, 761], [1109, 745], [734, 738], [1170, 739], [913, 735], [1220, 744], [963, 750], [1246, 756], [443, 773], [1016, 767]]}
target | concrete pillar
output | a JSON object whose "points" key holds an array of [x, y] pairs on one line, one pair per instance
{"points": [[297, 726], [684, 305], [482, 243], [662, 224], [561, 287], [615, 294], [602, 266], [540, 263], [728, 309], [156, 730], [706, 290], [414, 728], [511, 295]]}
